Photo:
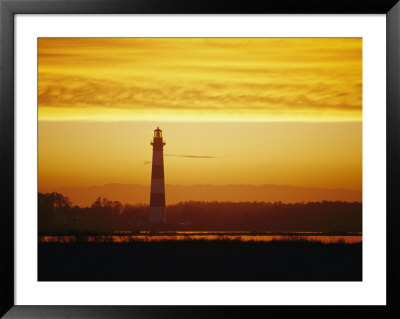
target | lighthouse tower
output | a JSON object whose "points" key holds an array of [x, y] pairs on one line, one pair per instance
{"points": [[157, 196]]}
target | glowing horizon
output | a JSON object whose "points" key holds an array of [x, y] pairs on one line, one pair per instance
{"points": [[234, 111]]}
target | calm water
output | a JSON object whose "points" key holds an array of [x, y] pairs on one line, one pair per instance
{"points": [[206, 235]]}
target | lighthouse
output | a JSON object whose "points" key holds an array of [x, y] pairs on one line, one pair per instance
{"points": [[157, 196]]}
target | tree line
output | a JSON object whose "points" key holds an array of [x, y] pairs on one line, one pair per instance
{"points": [[57, 214]]}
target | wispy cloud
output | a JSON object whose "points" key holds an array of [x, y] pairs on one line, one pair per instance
{"points": [[191, 156], [82, 92], [259, 78]]}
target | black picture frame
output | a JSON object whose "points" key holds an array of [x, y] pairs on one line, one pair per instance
{"points": [[8, 8]]}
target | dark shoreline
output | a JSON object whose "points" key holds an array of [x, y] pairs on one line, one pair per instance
{"points": [[199, 232], [200, 260]]}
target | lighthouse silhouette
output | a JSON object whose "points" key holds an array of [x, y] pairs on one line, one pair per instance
{"points": [[157, 213]]}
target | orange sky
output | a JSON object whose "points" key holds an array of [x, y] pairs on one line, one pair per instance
{"points": [[246, 111]]}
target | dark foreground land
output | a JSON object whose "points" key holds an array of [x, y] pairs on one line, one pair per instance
{"points": [[194, 260]]}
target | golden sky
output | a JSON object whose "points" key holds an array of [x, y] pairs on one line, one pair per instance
{"points": [[214, 79], [233, 111]]}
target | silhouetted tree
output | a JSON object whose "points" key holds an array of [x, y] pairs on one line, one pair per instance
{"points": [[49, 205], [108, 216]]}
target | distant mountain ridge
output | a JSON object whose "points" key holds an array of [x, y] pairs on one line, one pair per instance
{"points": [[135, 194]]}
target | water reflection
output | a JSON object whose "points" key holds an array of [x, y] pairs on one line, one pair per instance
{"points": [[350, 239]]}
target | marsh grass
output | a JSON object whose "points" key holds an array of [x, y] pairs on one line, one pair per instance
{"points": [[199, 260]]}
